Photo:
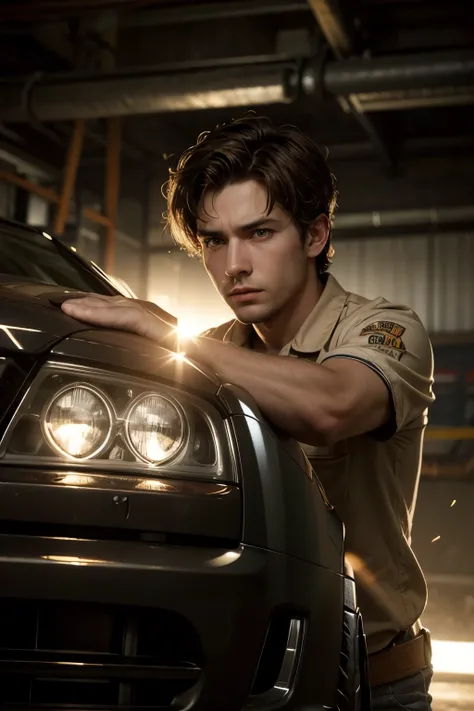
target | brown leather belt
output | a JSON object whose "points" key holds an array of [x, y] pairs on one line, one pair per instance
{"points": [[401, 660]]}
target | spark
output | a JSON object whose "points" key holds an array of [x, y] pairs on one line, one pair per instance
{"points": [[435, 539], [453, 502]]}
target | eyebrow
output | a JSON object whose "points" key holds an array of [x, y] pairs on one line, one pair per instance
{"points": [[243, 228]]}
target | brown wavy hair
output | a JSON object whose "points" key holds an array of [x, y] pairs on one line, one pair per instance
{"points": [[283, 159]]}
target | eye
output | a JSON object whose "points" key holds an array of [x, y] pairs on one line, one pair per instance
{"points": [[212, 242], [263, 232]]}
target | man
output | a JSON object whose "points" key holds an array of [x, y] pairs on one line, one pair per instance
{"points": [[256, 202]]}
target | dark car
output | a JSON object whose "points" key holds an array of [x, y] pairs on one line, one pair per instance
{"points": [[161, 546]]}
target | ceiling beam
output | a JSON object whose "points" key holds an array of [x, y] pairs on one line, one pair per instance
{"points": [[342, 39], [340, 36], [204, 12]]}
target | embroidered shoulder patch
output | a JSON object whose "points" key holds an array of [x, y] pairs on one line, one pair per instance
{"points": [[386, 335]]}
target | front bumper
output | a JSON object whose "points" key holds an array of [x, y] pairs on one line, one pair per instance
{"points": [[136, 624]]}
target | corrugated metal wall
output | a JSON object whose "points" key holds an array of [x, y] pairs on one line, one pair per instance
{"points": [[452, 286], [432, 275]]}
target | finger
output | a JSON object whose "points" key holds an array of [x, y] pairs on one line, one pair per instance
{"points": [[114, 299], [90, 306], [107, 316], [89, 302], [122, 314], [92, 297]]}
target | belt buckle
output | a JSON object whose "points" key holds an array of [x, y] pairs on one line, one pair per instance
{"points": [[428, 650]]}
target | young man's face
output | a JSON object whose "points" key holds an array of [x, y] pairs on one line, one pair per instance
{"points": [[258, 262]]}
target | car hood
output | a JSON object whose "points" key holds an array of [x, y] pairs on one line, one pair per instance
{"points": [[31, 319]]}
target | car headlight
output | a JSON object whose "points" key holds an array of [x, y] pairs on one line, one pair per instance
{"points": [[154, 428], [78, 421], [97, 419]]}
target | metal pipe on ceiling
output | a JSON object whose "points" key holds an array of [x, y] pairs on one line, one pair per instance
{"points": [[242, 83], [417, 98], [95, 96], [400, 72], [434, 216]]}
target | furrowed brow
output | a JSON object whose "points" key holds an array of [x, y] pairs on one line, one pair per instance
{"points": [[208, 233], [262, 221]]}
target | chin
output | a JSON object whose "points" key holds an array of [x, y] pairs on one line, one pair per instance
{"points": [[252, 313]]}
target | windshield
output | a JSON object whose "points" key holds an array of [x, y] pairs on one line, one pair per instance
{"points": [[34, 256]]}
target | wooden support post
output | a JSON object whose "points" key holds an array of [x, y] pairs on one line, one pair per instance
{"points": [[51, 196], [69, 177], [112, 187], [24, 184]]}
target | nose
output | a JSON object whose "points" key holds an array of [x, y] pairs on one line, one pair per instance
{"points": [[238, 259]]}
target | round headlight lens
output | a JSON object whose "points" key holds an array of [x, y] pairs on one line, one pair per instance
{"points": [[78, 422], [154, 428]]}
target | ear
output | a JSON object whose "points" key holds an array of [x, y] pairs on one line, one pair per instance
{"points": [[316, 236]]}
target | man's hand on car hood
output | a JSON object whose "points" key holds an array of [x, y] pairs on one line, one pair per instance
{"points": [[117, 312]]}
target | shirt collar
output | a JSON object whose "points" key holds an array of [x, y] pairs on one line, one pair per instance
{"points": [[315, 331]]}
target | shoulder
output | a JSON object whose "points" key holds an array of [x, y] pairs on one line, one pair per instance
{"points": [[372, 315], [384, 326], [390, 339]]}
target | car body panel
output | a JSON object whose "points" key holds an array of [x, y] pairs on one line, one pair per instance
{"points": [[102, 505], [235, 593], [126, 351], [29, 321], [127, 585]]}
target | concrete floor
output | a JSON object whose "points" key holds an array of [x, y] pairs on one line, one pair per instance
{"points": [[453, 696]]}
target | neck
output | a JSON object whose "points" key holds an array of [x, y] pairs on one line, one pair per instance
{"points": [[282, 329]]}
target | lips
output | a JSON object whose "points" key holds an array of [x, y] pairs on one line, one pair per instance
{"points": [[238, 292], [242, 294]]}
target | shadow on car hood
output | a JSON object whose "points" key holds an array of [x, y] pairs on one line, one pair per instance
{"points": [[31, 319]]}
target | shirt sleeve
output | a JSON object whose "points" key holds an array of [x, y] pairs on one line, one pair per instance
{"points": [[216, 333], [393, 342]]}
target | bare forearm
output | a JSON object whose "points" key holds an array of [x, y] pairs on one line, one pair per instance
{"points": [[314, 403], [294, 395]]}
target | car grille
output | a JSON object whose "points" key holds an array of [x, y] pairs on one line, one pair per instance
{"points": [[57, 655]]}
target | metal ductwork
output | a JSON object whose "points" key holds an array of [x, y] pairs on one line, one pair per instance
{"points": [[234, 83], [404, 223], [403, 82], [420, 217], [66, 97], [401, 72]]}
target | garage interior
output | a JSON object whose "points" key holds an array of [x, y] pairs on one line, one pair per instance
{"points": [[98, 98]]}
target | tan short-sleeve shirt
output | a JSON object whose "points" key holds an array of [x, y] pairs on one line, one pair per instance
{"points": [[372, 480]]}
